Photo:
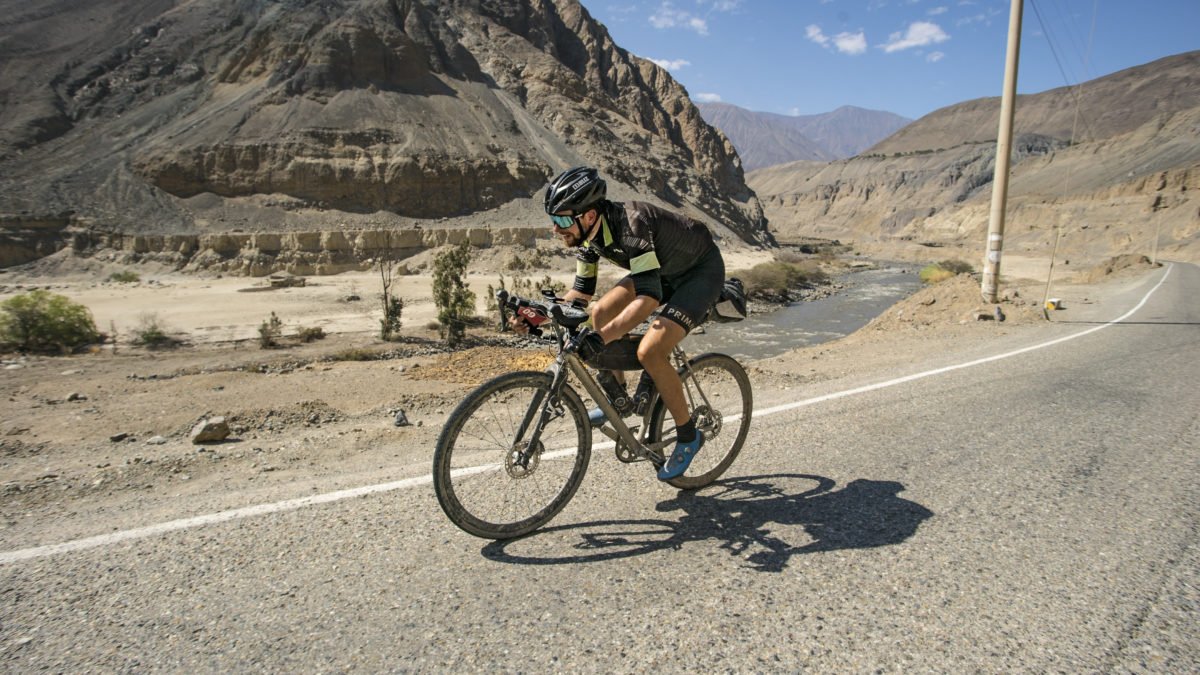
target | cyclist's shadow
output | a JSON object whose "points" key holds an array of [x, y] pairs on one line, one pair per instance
{"points": [[742, 515]]}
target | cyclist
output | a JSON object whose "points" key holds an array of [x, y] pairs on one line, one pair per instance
{"points": [[671, 259]]}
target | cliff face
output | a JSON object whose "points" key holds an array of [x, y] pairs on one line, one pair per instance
{"points": [[216, 115], [1132, 171]]}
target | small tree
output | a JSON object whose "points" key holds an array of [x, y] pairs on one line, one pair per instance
{"points": [[269, 332], [45, 322], [393, 306], [454, 301]]}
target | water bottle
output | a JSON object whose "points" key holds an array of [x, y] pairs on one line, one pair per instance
{"points": [[615, 391], [641, 396]]}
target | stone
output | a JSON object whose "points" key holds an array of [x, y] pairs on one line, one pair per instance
{"points": [[401, 419], [212, 430]]}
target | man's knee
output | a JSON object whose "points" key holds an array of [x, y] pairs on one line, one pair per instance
{"points": [[660, 341]]}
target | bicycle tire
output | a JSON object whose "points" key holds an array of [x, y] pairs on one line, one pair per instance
{"points": [[721, 379], [478, 486]]}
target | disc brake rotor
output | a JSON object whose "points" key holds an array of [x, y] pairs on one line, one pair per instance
{"points": [[708, 420], [514, 469]]}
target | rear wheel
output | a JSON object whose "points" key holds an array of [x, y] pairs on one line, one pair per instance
{"points": [[482, 481], [718, 392]]}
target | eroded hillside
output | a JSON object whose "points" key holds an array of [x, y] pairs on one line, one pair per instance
{"points": [[214, 116]]}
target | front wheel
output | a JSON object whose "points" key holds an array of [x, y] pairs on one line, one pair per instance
{"points": [[718, 392], [495, 485]]}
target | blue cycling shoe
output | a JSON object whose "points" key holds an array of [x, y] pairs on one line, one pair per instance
{"points": [[681, 458]]}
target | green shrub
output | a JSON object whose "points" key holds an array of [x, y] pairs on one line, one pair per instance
{"points": [[455, 302], [355, 354], [776, 277], [934, 274], [957, 266], [941, 271], [42, 321], [125, 277], [310, 334], [152, 333]]}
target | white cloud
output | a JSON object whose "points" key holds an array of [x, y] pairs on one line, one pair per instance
{"points": [[938, 10], [919, 34], [668, 16], [934, 57], [851, 43], [672, 64], [846, 43], [708, 98], [723, 5], [813, 32]]}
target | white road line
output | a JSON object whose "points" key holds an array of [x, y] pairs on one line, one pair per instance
{"points": [[293, 504]]}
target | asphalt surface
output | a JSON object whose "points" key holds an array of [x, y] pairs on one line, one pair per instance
{"points": [[1033, 513]]}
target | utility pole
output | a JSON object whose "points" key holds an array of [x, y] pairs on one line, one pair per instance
{"points": [[995, 240]]}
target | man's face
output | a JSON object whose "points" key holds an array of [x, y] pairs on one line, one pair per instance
{"points": [[574, 235]]}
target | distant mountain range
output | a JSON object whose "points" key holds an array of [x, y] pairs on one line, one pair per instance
{"points": [[1114, 163], [765, 139]]}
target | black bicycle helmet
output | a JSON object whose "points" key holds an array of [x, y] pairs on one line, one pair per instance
{"points": [[575, 191]]}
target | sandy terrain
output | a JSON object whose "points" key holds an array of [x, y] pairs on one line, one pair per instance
{"points": [[108, 433]]}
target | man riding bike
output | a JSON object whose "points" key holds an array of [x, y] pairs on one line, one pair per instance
{"points": [[672, 261]]}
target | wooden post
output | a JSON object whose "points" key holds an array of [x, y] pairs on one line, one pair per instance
{"points": [[995, 240]]}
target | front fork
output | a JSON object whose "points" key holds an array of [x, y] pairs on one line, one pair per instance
{"points": [[545, 406]]}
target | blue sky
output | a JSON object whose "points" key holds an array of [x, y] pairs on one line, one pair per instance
{"points": [[910, 57]]}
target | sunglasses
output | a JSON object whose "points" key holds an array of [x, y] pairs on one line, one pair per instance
{"points": [[563, 222]]}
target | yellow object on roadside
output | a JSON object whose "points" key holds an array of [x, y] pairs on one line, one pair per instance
{"points": [[1054, 303]]}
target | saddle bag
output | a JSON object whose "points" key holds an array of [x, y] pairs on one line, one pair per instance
{"points": [[731, 305]]}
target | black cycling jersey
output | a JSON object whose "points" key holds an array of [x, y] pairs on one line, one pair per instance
{"points": [[669, 257], [654, 244]]}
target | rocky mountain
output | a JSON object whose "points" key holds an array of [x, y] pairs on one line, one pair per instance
{"points": [[766, 139], [193, 117], [1110, 164]]}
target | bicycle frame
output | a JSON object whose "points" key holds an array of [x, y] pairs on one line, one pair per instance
{"points": [[544, 407], [615, 428]]}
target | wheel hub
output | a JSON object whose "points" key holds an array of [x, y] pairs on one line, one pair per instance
{"points": [[512, 462]]}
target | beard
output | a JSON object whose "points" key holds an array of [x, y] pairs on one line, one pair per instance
{"points": [[572, 237]]}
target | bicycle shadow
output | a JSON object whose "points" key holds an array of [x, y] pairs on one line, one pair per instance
{"points": [[743, 515]]}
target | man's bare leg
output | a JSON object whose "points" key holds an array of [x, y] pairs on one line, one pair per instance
{"points": [[654, 352]]}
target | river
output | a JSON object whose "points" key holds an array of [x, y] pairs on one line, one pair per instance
{"points": [[865, 295]]}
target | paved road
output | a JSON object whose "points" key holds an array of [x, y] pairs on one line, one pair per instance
{"points": [[1037, 512]]}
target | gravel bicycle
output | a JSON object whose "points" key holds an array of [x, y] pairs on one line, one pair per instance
{"points": [[514, 451]]}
